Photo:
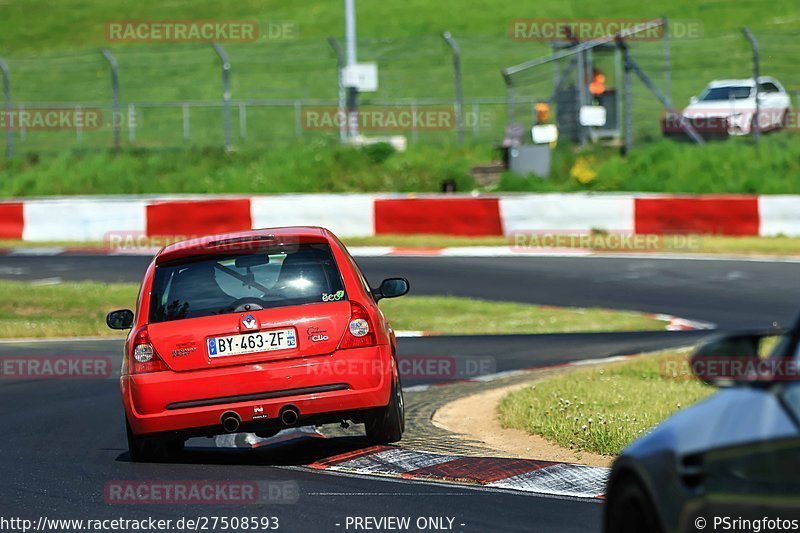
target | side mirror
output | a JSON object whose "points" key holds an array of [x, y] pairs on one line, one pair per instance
{"points": [[120, 319], [693, 100], [392, 288], [726, 360]]}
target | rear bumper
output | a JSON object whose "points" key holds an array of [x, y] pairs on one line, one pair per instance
{"points": [[344, 382]]}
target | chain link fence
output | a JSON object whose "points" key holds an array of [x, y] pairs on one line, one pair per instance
{"points": [[172, 95]]}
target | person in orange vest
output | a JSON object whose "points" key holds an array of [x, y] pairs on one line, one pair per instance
{"points": [[598, 85]]}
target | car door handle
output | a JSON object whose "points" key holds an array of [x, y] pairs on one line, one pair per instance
{"points": [[692, 470]]}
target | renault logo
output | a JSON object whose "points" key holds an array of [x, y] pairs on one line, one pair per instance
{"points": [[249, 322]]}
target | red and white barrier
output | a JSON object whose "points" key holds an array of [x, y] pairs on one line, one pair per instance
{"points": [[95, 218]]}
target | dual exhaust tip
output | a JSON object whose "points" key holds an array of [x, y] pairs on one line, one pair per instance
{"points": [[231, 421]]}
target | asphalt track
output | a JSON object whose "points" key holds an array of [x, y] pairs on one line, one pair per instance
{"points": [[61, 441], [732, 294]]}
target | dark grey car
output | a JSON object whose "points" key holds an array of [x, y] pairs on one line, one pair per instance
{"points": [[729, 463]]}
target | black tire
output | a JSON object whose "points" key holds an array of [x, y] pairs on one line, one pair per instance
{"points": [[151, 449], [386, 424], [629, 509]]}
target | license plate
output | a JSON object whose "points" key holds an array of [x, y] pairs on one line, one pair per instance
{"points": [[263, 341]]}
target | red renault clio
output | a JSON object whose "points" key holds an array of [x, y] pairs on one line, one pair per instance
{"points": [[257, 331]]}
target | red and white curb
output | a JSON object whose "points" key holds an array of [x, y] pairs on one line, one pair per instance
{"points": [[453, 252], [97, 218], [676, 323], [525, 475]]}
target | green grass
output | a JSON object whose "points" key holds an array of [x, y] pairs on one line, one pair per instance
{"points": [[79, 309], [62, 310], [54, 58], [455, 315], [312, 167], [735, 166], [601, 409], [690, 244]]}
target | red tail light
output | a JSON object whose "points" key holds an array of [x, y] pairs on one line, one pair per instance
{"points": [[143, 357], [360, 332]]}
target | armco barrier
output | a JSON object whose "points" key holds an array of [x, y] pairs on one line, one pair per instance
{"points": [[94, 218]]}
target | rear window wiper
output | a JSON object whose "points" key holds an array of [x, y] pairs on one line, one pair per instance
{"points": [[253, 284]]}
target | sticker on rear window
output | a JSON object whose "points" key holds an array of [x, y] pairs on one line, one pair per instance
{"points": [[335, 297]]}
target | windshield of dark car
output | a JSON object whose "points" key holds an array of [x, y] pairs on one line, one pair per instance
{"points": [[726, 93], [213, 285]]}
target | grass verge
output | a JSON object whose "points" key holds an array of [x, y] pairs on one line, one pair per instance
{"points": [[455, 315], [688, 244], [601, 409], [79, 309], [691, 244], [736, 166]]}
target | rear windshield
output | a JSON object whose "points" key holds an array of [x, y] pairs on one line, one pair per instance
{"points": [[205, 286], [726, 93]]}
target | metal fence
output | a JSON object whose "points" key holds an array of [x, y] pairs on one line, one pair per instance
{"points": [[646, 78], [167, 95]]}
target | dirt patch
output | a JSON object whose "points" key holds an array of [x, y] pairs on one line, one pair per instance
{"points": [[475, 418]]}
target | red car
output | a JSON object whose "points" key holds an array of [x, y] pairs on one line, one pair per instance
{"points": [[257, 331]]}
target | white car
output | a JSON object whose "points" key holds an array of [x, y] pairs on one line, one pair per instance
{"points": [[729, 107]]}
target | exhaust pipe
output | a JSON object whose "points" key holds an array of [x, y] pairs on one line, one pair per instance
{"points": [[289, 415], [230, 421]]}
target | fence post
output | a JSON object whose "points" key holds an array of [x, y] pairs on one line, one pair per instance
{"points": [[114, 93], [298, 119], [475, 126], [23, 133], [79, 118], [226, 90], [337, 49], [243, 121], [186, 121], [667, 63], [131, 123], [509, 98], [414, 132], [7, 97], [581, 99], [628, 119], [756, 74], [448, 37]]}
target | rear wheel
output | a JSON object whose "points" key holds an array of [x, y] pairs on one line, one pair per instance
{"points": [[152, 449], [629, 510], [386, 424]]}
